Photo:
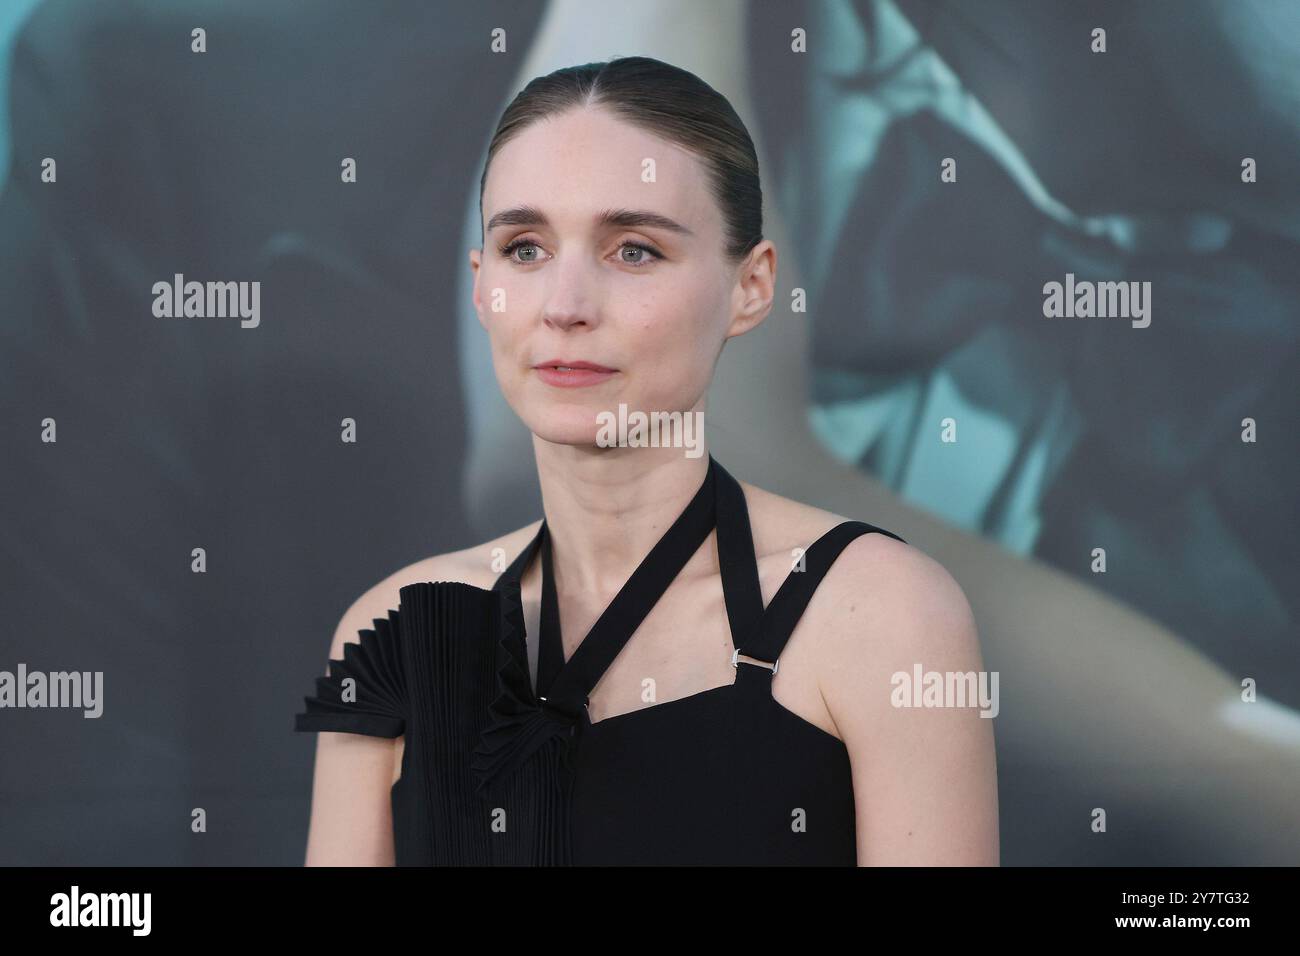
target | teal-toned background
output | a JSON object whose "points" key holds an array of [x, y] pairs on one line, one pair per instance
{"points": [[12, 14], [929, 305]]}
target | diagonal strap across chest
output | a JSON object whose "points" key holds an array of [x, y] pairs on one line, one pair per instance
{"points": [[573, 681], [756, 632]]}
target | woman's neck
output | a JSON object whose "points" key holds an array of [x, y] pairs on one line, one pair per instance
{"points": [[605, 508]]}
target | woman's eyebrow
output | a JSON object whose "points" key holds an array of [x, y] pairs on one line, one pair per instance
{"points": [[627, 218], [630, 218]]}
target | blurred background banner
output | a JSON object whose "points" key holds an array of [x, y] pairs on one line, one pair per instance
{"points": [[937, 163]]}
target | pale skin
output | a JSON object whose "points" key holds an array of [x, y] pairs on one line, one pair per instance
{"points": [[924, 780]]}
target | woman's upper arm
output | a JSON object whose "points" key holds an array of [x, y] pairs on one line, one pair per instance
{"points": [[351, 808], [924, 777]]}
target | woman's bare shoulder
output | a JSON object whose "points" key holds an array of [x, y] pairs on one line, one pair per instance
{"points": [[784, 528], [909, 602], [782, 524], [479, 565]]}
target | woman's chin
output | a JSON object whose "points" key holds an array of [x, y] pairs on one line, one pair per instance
{"points": [[574, 439]]}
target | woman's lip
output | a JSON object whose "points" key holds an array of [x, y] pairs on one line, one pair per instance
{"points": [[573, 377], [573, 363]]}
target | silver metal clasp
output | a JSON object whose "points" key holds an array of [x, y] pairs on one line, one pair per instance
{"points": [[736, 662]]}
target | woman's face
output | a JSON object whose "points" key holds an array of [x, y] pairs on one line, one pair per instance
{"points": [[603, 245]]}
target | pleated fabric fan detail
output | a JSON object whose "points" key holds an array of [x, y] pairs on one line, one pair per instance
{"points": [[485, 766]]}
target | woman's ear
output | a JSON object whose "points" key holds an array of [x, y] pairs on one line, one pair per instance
{"points": [[475, 260], [755, 287]]}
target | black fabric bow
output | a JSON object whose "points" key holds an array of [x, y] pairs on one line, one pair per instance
{"points": [[520, 724]]}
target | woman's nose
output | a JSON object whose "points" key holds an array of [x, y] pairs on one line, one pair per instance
{"points": [[571, 298]]}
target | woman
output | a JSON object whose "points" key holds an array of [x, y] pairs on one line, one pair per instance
{"points": [[1088, 727], [723, 686]]}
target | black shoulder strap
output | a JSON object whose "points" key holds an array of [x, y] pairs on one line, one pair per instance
{"points": [[797, 589], [741, 589]]}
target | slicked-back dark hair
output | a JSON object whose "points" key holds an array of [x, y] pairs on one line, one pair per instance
{"points": [[665, 100]]}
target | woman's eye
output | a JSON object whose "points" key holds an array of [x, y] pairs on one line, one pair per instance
{"points": [[630, 253], [531, 250], [640, 254]]}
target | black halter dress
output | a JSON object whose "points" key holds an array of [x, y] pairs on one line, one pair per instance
{"points": [[496, 772]]}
